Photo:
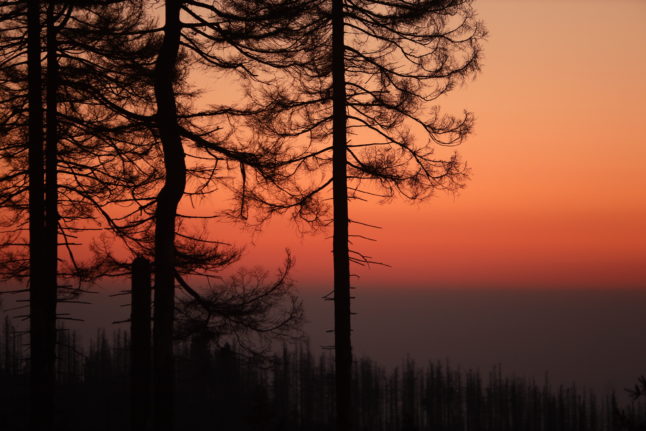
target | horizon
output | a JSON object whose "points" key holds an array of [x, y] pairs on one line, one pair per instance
{"points": [[590, 337]]}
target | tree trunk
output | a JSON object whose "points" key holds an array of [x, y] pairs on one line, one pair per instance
{"points": [[140, 354], [165, 215], [51, 191], [342, 342], [41, 372], [51, 165]]}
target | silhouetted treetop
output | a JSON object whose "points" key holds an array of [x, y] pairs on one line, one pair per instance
{"points": [[399, 58]]}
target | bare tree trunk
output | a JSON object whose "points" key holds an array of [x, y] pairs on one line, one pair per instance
{"points": [[342, 328], [51, 158], [140, 354], [165, 215], [41, 374], [51, 191]]}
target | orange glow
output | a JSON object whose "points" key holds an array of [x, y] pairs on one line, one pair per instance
{"points": [[557, 159]]}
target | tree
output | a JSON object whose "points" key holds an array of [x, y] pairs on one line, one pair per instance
{"points": [[140, 344], [165, 214], [246, 311], [22, 96], [116, 138], [41, 362], [211, 32], [59, 147], [378, 66]]}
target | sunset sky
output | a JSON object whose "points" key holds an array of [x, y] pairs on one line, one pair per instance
{"points": [[539, 263], [556, 196]]}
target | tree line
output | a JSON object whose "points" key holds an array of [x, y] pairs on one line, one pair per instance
{"points": [[292, 389], [104, 131]]}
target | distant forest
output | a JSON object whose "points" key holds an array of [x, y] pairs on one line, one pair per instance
{"points": [[220, 388]]}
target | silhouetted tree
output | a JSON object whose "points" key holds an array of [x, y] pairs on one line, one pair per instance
{"points": [[247, 37], [41, 331], [165, 216], [140, 344], [54, 143], [129, 124], [96, 157], [115, 137], [211, 31], [377, 66], [246, 311]]}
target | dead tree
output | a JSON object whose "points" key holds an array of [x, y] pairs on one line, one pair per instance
{"points": [[140, 344], [379, 67], [45, 105], [210, 28], [42, 351]]}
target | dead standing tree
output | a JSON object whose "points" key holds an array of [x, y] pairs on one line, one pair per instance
{"points": [[381, 67], [131, 163], [140, 344], [21, 91], [59, 147], [165, 216], [22, 97], [98, 184], [41, 342], [214, 33]]}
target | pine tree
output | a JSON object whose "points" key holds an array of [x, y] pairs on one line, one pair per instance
{"points": [[379, 67]]}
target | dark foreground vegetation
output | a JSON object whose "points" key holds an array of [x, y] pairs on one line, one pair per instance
{"points": [[221, 389]]}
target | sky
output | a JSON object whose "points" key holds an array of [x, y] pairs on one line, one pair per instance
{"points": [[557, 160], [539, 262]]}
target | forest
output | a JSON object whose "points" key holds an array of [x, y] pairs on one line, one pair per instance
{"points": [[292, 389], [120, 155]]}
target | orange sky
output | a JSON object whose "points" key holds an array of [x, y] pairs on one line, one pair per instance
{"points": [[556, 197], [557, 190]]}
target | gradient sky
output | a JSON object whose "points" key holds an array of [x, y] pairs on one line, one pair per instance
{"points": [[555, 203], [556, 197]]}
